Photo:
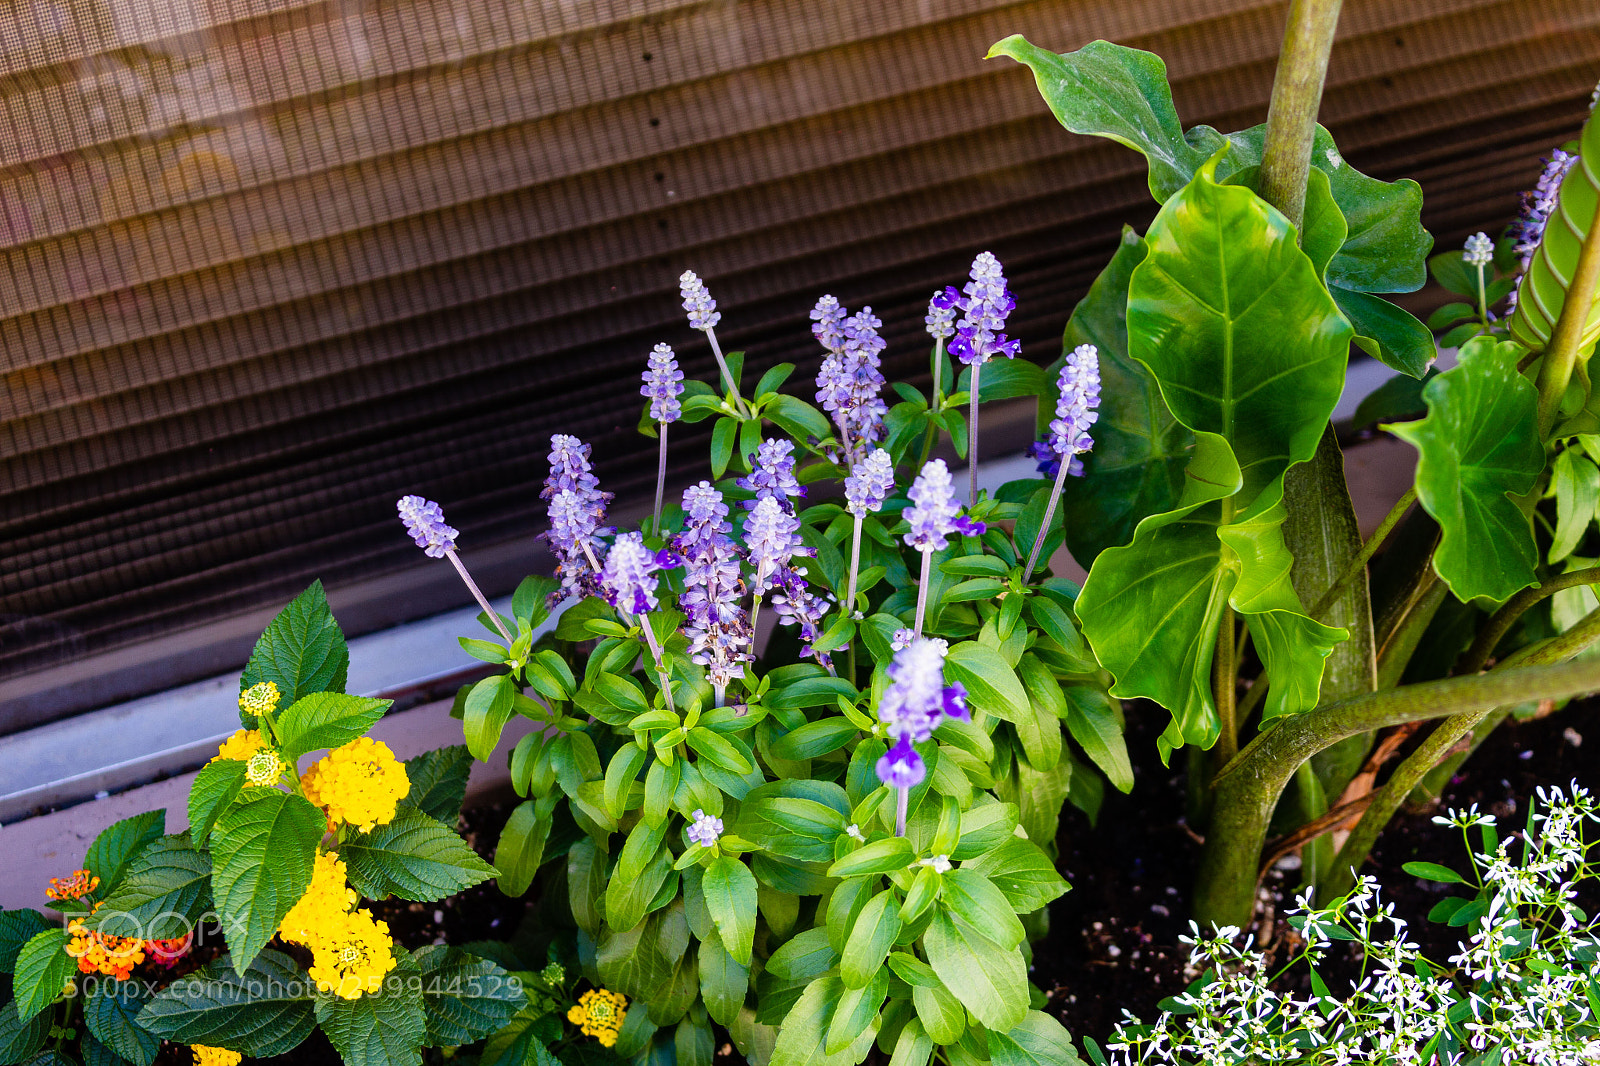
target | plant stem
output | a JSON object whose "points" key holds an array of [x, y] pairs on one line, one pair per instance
{"points": [[1296, 96], [1373, 543], [1049, 516], [972, 438], [922, 590], [1248, 788], [1224, 682], [661, 477], [478, 595], [902, 801], [849, 603], [1502, 620], [662, 676], [727, 375], [1561, 354], [1483, 298]]}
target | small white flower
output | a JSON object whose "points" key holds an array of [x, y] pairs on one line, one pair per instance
{"points": [[854, 832], [940, 863], [1479, 250]]}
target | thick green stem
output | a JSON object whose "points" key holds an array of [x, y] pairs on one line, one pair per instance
{"points": [[1400, 643], [1296, 96], [1502, 620], [1561, 354], [1247, 790], [1361, 558]]}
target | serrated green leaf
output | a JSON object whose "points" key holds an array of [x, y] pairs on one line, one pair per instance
{"points": [[989, 980], [488, 709], [20, 1040], [43, 967], [16, 929], [265, 1011], [115, 847], [110, 1010], [464, 998], [262, 853], [165, 894], [301, 651], [413, 857], [325, 720], [439, 782], [1478, 447], [384, 1029], [215, 787]]}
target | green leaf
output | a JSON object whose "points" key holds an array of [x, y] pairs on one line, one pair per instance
{"points": [[301, 651], [413, 857], [1007, 379], [439, 782], [1388, 333], [164, 896], [723, 435], [21, 1040], [914, 1047], [719, 751], [1478, 447], [870, 939], [1094, 722], [385, 1029], [723, 982], [16, 929], [110, 1010], [1249, 349], [855, 1011], [43, 967], [972, 896], [1544, 287], [265, 1011], [1432, 871], [940, 1013], [1039, 1041], [810, 692], [1023, 873], [520, 850], [991, 684], [1577, 484], [815, 739], [326, 720], [215, 787], [527, 603], [1397, 400], [730, 895], [990, 981], [804, 1032], [113, 850], [262, 853], [879, 857], [798, 418], [488, 709], [464, 997]]}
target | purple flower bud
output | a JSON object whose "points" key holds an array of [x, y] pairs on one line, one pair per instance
{"points": [[903, 638], [629, 578], [796, 604], [570, 468], [869, 483], [941, 317], [984, 308], [772, 538], [901, 766], [1077, 406], [934, 513], [697, 301], [706, 828], [424, 520], [829, 317], [1479, 250], [772, 475], [663, 384]]}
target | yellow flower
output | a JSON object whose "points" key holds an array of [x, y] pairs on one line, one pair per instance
{"points": [[80, 884], [351, 954], [260, 698], [263, 768], [359, 783], [243, 744], [214, 1056], [600, 1014], [326, 902], [97, 952]]}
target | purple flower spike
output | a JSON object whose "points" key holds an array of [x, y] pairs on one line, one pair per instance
{"points": [[424, 520], [984, 308], [934, 513], [901, 766], [1537, 207], [773, 474], [829, 316], [718, 627], [772, 538], [697, 302], [629, 578], [1076, 408], [663, 384], [941, 317], [575, 535], [797, 605], [870, 483], [570, 469]]}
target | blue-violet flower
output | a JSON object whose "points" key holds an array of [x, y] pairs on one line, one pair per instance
{"points": [[705, 829], [869, 483], [629, 578], [934, 513], [717, 624], [984, 308], [772, 539], [914, 702], [703, 314], [772, 474], [663, 384], [1479, 250], [424, 520]]}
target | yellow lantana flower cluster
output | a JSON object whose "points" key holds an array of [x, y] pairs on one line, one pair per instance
{"points": [[214, 1056], [97, 952], [260, 698], [599, 1014], [351, 952], [264, 768], [327, 899], [360, 783], [80, 884], [242, 745]]}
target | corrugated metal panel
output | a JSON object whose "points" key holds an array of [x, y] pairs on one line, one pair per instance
{"points": [[266, 264]]}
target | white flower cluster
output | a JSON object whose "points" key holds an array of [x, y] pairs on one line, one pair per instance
{"points": [[1520, 990]]}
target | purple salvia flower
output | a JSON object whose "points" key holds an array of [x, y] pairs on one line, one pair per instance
{"points": [[771, 539], [1077, 408], [629, 578], [424, 521], [717, 624], [934, 513], [796, 604], [865, 409], [772, 475], [575, 527], [869, 483], [702, 309], [828, 316], [941, 317], [914, 702], [1538, 205], [984, 308], [902, 638], [663, 384], [705, 829], [901, 767], [570, 469]]}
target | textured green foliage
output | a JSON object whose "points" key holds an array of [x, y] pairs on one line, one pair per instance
{"points": [[1039, 1040], [989, 980], [263, 850], [43, 967], [385, 1029], [266, 1010], [439, 782], [413, 857], [110, 1010], [730, 895], [803, 1035], [1544, 288], [215, 788], [163, 895], [1478, 447], [301, 651], [114, 849], [21, 1040], [325, 720], [16, 929]]}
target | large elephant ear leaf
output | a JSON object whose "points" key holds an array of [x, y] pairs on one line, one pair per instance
{"points": [[1232, 320], [1543, 291], [1479, 446], [1136, 466], [1110, 90]]}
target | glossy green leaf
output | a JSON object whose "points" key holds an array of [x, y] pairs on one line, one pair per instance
{"points": [[1039, 1041], [1543, 292], [265, 1011], [879, 857], [914, 1047], [730, 895], [1478, 447], [520, 850], [262, 850], [972, 896], [164, 896], [1023, 873], [1576, 481], [215, 787], [326, 720], [1249, 350], [991, 684], [990, 981], [1094, 722], [488, 709], [414, 857], [723, 982], [1386, 332], [871, 937], [43, 967], [804, 1032], [301, 651]]}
